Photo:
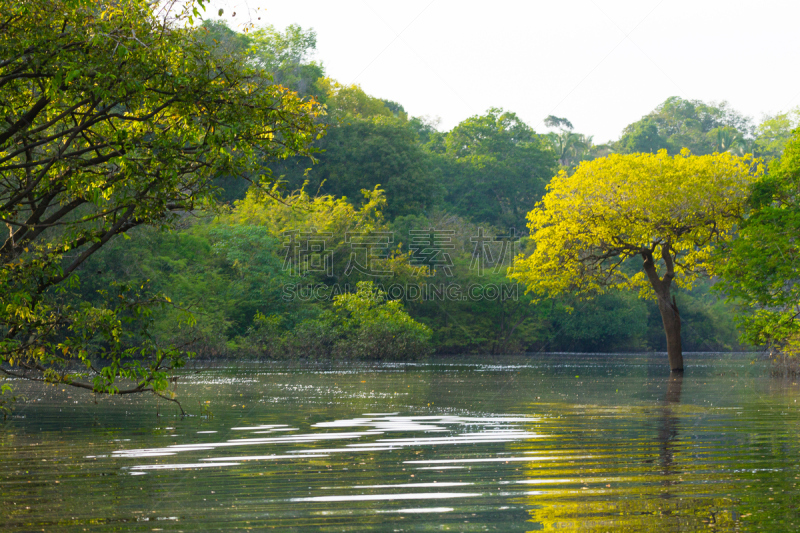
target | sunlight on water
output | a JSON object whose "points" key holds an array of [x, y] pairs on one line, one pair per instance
{"points": [[523, 446], [422, 510], [377, 497]]}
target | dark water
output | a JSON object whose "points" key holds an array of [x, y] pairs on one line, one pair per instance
{"points": [[593, 443]]}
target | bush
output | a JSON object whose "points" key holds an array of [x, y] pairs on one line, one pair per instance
{"points": [[361, 325]]}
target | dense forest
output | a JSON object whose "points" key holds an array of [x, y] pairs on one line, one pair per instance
{"points": [[226, 199], [392, 325], [370, 247]]}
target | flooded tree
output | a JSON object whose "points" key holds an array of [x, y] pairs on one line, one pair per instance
{"points": [[670, 212]]}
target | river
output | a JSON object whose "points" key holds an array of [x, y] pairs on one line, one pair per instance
{"points": [[540, 443]]}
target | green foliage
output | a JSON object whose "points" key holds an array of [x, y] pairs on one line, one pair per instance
{"points": [[222, 41], [571, 148], [197, 109], [115, 117], [612, 322], [362, 153], [678, 123], [285, 58], [642, 137], [761, 267], [346, 102], [231, 272], [616, 321], [361, 325], [464, 323], [396, 109], [498, 168], [182, 264], [369, 143], [7, 398], [303, 215], [286, 55], [728, 139], [708, 321], [669, 211], [775, 132], [377, 328]]}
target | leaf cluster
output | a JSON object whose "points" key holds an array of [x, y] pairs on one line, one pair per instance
{"points": [[619, 207]]}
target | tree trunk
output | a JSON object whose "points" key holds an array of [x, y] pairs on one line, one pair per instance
{"points": [[666, 304], [672, 328]]}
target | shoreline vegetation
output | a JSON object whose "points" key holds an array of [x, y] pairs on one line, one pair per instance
{"points": [[306, 219]]}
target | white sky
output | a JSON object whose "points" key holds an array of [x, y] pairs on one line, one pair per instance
{"points": [[600, 63]]}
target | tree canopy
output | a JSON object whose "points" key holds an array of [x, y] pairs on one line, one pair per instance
{"points": [[761, 268], [775, 131], [669, 211], [570, 147], [115, 116], [121, 120], [501, 168], [678, 123]]}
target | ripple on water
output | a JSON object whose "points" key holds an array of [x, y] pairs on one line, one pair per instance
{"points": [[518, 447]]}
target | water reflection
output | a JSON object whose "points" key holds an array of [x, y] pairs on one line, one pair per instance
{"points": [[390, 497], [618, 486], [668, 431], [565, 444], [485, 430]]}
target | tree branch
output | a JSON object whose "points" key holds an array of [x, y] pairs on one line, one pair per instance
{"points": [[25, 121]]}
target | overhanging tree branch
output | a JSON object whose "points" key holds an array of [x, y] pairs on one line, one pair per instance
{"points": [[128, 120]]}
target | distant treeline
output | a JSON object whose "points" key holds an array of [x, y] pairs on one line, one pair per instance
{"points": [[396, 241]]}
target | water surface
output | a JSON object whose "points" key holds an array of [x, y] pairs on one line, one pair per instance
{"points": [[556, 442]]}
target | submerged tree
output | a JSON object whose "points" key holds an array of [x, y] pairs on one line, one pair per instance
{"points": [[669, 211], [114, 116]]}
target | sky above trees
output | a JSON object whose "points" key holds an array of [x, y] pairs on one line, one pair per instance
{"points": [[601, 63]]}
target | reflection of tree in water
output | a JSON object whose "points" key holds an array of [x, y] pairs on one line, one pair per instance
{"points": [[624, 468], [668, 430]]}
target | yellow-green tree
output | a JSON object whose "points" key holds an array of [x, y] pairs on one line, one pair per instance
{"points": [[668, 211]]}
